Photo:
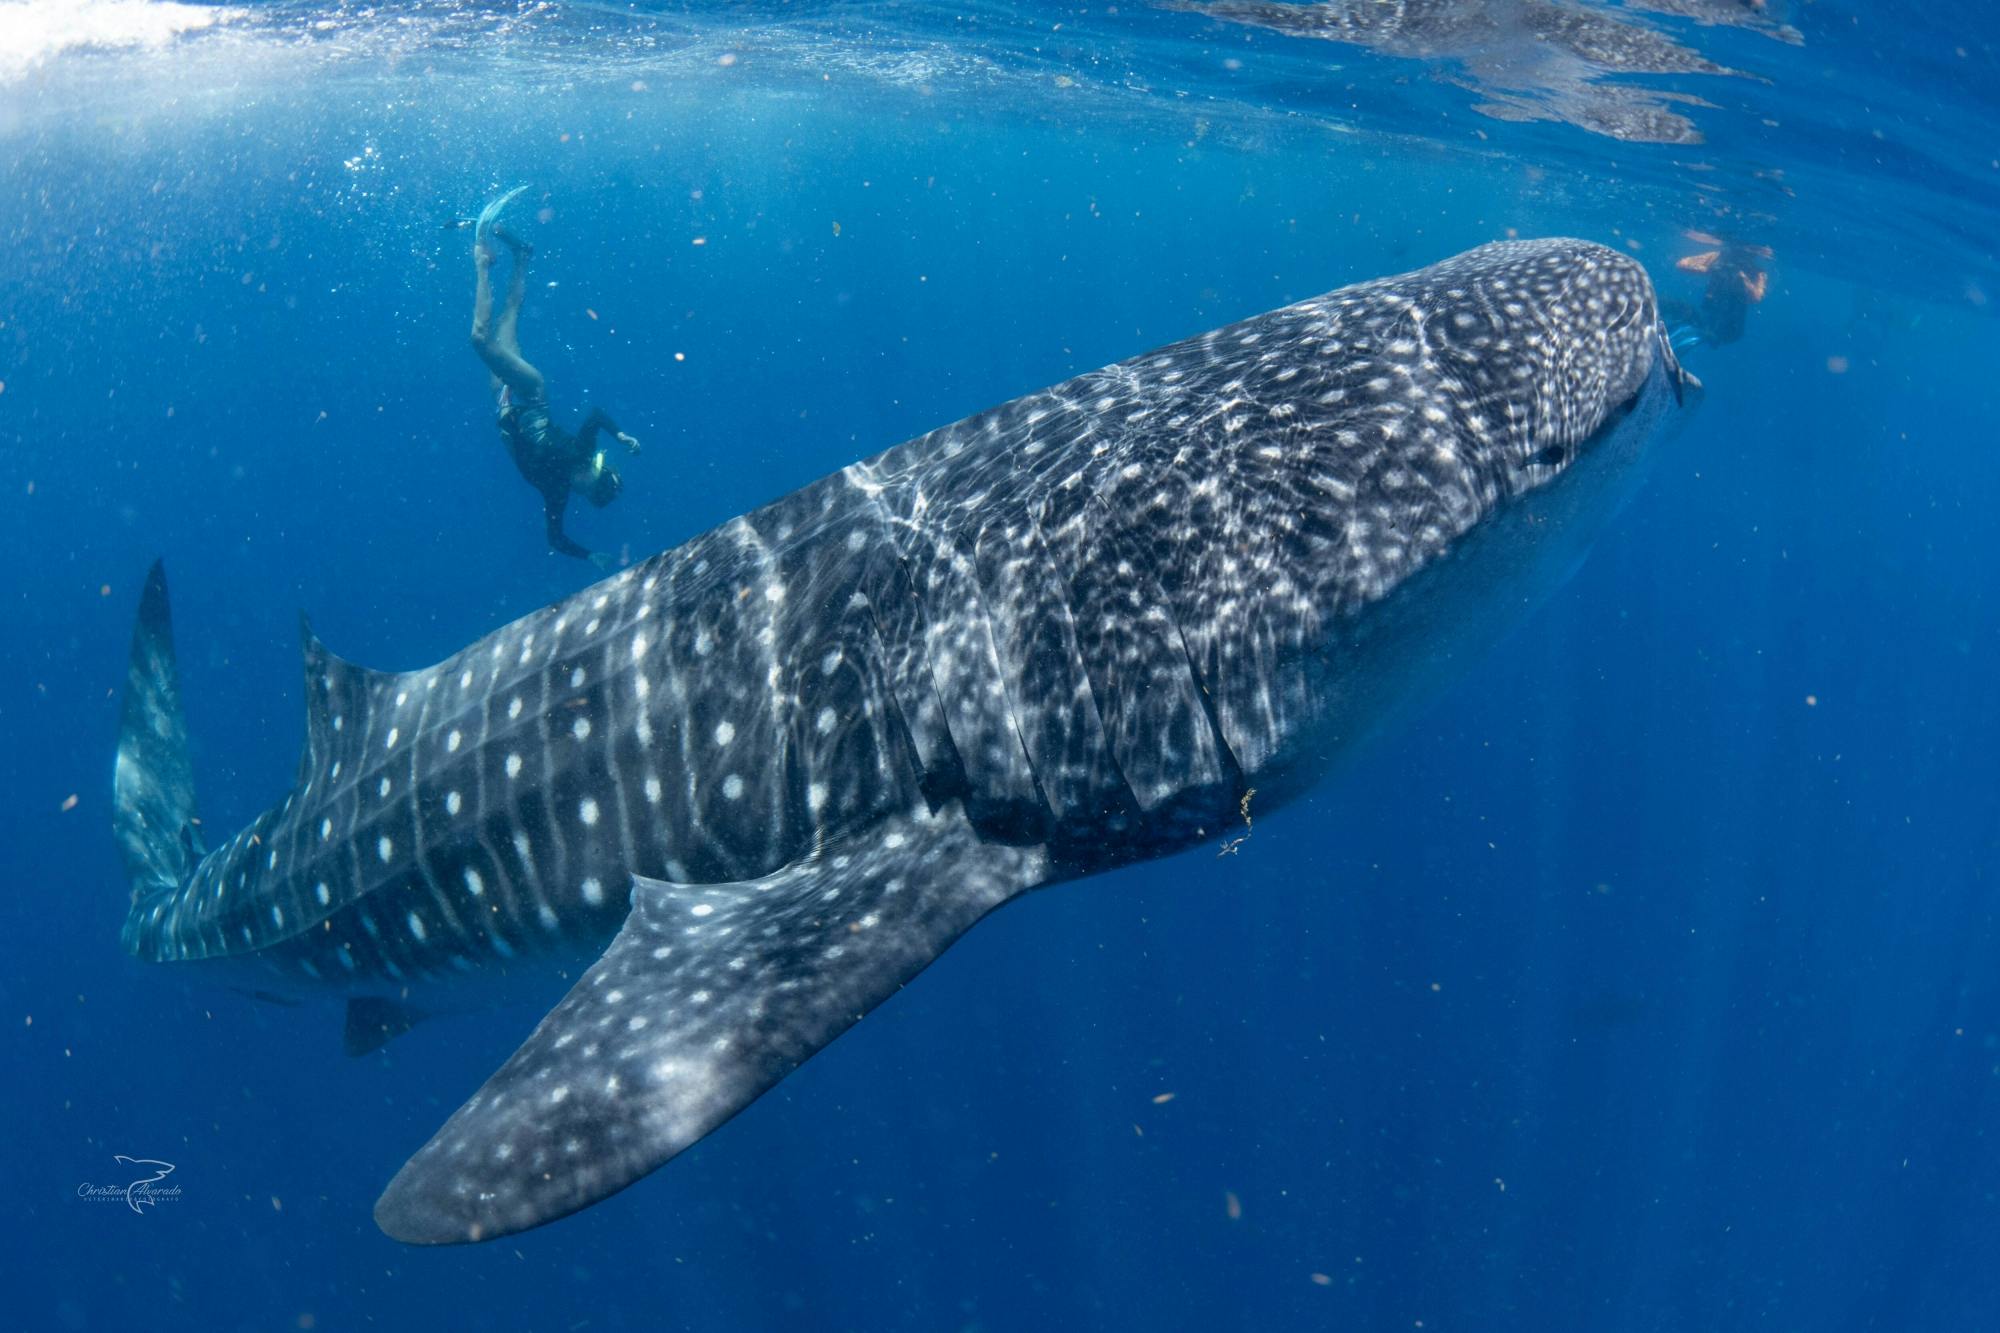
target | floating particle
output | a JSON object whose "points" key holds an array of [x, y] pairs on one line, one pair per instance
{"points": [[1163, 1099], [69, 803], [1065, 81], [592, 313], [639, 86], [1232, 1205], [277, 1204], [1836, 365], [103, 590], [699, 240], [726, 59], [1320, 1279], [1812, 701], [836, 227], [1501, 1183], [680, 356]]}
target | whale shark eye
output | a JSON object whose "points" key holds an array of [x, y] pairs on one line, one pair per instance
{"points": [[1553, 456]]}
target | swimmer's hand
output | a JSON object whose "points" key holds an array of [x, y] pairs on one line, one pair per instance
{"points": [[604, 560], [631, 442]]}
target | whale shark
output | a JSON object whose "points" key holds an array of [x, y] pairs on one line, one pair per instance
{"points": [[747, 789]]}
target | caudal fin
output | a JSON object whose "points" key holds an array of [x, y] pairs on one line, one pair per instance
{"points": [[152, 806]]}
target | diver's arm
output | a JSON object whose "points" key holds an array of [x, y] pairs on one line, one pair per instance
{"points": [[598, 419], [559, 541]]}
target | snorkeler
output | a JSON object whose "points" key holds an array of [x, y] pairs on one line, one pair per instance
{"points": [[1737, 279], [552, 460]]}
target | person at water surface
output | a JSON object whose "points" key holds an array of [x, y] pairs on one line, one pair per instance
{"points": [[551, 459], [1738, 276]]}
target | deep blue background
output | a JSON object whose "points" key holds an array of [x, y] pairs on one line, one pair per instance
{"points": [[1646, 980]]}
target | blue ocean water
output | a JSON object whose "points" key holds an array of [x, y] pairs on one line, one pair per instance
{"points": [[1645, 979]]}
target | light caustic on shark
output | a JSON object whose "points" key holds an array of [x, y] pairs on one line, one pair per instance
{"points": [[763, 779]]}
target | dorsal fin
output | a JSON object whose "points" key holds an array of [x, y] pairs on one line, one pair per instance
{"points": [[339, 697]]}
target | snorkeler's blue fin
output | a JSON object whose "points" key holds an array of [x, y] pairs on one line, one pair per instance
{"points": [[491, 213]]}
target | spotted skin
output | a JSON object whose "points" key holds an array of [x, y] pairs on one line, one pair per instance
{"points": [[706, 989], [780, 768]]}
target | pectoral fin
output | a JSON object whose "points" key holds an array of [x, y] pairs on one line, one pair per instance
{"points": [[707, 997]]}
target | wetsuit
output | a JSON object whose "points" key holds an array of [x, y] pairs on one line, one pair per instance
{"points": [[556, 463]]}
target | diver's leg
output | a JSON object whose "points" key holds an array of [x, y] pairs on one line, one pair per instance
{"points": [[499, 345], [522, 251], [485, 231], [508, 334], [482, 295]]}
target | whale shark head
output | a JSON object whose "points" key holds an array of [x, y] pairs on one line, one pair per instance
{"points": [[1493, 412], [1537, 355], [1595, 382]]}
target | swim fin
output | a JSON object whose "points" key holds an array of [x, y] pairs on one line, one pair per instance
{"points": [[491, 213]]}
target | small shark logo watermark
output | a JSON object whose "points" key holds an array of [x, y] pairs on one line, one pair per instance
{"points": [[145, 1190]]}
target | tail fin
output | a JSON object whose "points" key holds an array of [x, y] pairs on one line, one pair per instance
{"points": [[153, 785]]}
